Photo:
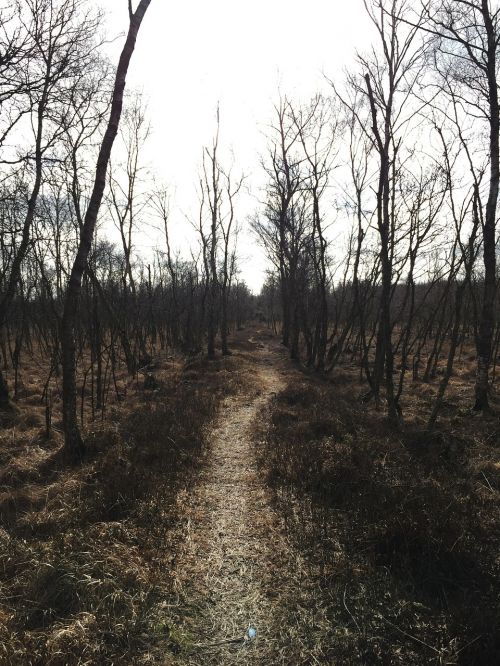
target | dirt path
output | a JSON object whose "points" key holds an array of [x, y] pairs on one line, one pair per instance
{"points": [[235, 542]]}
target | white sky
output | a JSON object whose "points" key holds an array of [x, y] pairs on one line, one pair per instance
{"points": [[193, 54]]}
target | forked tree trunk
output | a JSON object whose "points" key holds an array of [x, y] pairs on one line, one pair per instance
{"points": [[72, 438], [384, 352]]}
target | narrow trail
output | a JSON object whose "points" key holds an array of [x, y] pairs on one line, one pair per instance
{"points": [[235, 544]]}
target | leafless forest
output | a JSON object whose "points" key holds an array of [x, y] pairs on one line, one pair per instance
{"points": [[192, 473]]}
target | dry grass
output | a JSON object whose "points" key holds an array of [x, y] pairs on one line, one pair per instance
{"points": [[87, 553], [399, 531], [373, 547]]}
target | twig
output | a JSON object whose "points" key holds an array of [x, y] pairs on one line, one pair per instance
{"points": [[469, 644], [488, 482], [227, 641], [405, 633], [352, 616]]}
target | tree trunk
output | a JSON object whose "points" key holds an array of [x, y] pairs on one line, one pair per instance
{"points": [[487, 319], [72, 438], [4, 393], [224, 324]]}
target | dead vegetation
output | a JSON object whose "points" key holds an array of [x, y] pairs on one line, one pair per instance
{"points": [[382, 548], [87, 553], [400, 529]]}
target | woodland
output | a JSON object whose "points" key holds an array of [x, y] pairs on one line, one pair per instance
{"points": [[194, 473]]}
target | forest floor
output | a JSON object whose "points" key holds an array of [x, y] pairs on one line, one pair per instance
{"points": [[248, 494], [337, 538]]}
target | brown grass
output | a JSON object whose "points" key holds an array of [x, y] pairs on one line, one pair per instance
{"points": [[87, 553], [399, 530], [383, 549]]}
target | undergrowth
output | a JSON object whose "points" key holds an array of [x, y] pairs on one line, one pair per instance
{"points": [[87, 553], [401, 530]]}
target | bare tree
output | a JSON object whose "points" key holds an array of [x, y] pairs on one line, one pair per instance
{"points": [[282, 228], [317, 127], [73, 440], [218, 240], [466, 36], [47, 63], [389, 79], [128, 202]]}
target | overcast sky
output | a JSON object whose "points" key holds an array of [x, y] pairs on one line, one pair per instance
{"points": [[192, 54]]}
